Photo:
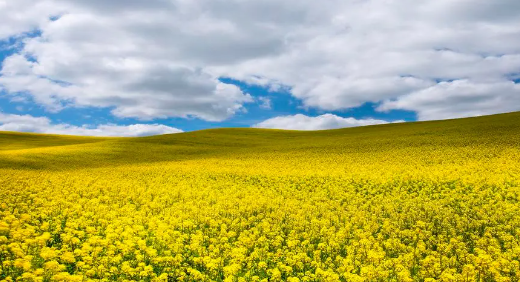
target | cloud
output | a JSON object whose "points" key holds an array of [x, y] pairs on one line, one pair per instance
{"points": [[164, 58], [326, 121], [265, 103], [371, 51], [28, 123], [134, 89], [22, 16], [460, 98]]}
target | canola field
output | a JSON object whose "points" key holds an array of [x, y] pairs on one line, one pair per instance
{"points": [[429, 201]]}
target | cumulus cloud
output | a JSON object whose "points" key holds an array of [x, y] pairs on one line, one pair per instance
{"points": [[28, 123], [134, 89], [164, 58], [460, 98], [326, 121], [20, 16], [265, 103]]}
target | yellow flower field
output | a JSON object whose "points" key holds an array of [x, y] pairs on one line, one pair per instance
{"points": [[434, 201]]}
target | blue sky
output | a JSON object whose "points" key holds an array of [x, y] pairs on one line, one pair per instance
{"points": [[90, 68]]}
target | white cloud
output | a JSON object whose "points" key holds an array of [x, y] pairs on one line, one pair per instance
{"points": [[135, 89], [460, 98], [163, 58], [28, 123], [372, 51], [326, 121], [265, 103], [21, 16]]}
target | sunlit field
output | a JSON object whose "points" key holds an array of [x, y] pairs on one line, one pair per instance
{"points": [[430, 201]]}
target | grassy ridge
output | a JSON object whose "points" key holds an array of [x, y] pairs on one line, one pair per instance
{"points": [[19, 150], [412, 202]]}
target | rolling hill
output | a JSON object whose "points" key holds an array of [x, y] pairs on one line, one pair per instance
{"points": [[27, 150], [423, 201]]}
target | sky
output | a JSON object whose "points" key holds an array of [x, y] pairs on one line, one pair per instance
{"points": [[138, 68]]}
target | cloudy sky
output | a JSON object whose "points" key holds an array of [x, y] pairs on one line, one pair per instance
{"points": [[135, 67]]}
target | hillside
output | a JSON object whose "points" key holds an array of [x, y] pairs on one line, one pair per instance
{"points": [[26, 150], [424, 201]]}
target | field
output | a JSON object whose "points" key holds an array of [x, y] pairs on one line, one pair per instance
{"points": [[428, 201]]}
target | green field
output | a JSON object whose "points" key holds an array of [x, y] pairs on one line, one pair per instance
{"points": [[422, 201], [39, 151]]}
